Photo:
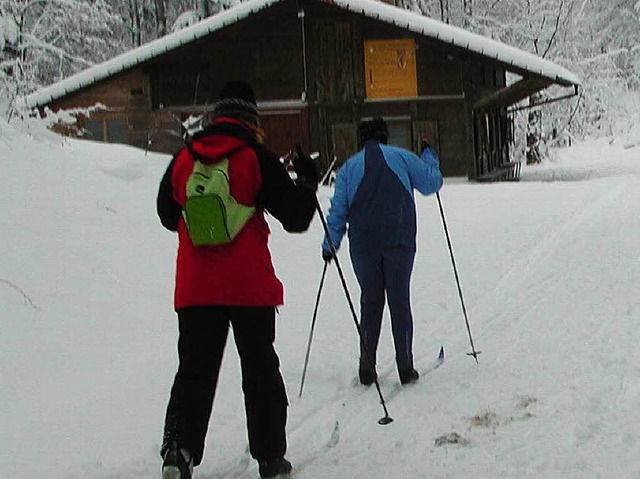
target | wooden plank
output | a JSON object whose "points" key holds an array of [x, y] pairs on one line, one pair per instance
{"points": [[332, 70], [344, 140], [511, 94], [284, 130], [507, 172]]}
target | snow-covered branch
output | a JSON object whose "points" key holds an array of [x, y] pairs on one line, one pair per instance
{"points": [[34, 43]]}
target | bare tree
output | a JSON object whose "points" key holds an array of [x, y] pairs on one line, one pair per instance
{"points": [[52, 39], [444, 11], [161, 17], [467, 10], [134, 17], [203, 8]]}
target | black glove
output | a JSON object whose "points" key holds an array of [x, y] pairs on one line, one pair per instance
{"points": [[306, 169], [327, 255]]}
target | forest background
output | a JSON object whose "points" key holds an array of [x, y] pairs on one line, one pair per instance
{"points": [[44, 41]]}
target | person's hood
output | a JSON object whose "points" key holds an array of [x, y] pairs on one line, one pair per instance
{"points": [[221, 139]]}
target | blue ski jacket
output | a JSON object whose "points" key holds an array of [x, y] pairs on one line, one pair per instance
{"points": [[374, 196]]}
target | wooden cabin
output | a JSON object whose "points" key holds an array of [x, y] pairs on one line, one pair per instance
{"points": [[318, 67]]}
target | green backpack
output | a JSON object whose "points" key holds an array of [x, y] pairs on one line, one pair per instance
{"points": [[212, 215]]}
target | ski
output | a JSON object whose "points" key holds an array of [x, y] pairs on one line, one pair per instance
{"points": [[435, 364], [439, 360]]}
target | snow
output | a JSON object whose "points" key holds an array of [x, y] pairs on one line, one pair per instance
{"points": [[549, 269], [8, 31], [411, 21], [186, 19]]}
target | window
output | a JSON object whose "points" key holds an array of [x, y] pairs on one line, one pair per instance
{"points": [[390, 68], [116, 130], [93, 130], [112, 130]]}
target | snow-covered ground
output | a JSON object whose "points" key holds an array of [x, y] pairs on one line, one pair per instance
{"points": [[550, 272]]}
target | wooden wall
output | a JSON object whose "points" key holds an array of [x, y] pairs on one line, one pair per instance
{"points": [[266, 49], [339, 89], [126, 97]]}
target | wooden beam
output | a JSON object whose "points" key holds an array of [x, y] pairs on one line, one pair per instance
{"points": [[512, 94]]}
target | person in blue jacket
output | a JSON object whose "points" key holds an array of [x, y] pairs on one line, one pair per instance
{"points": [[374, 197]]}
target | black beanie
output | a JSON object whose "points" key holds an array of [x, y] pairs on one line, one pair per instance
{"points": [[375, 129], [237, 100]]}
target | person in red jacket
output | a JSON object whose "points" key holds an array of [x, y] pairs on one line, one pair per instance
{"points": [[231, 285]]}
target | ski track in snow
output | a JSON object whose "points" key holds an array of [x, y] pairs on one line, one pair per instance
{"points": [[549, 248], [587, 349], [507, 414]]}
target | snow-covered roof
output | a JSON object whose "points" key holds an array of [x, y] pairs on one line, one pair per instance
{"points": [[408, 20], [459, 37]]}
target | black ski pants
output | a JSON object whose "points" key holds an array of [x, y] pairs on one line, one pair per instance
{"points": [[203, 334]]}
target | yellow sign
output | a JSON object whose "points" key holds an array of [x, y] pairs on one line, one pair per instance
{"points": [[390, 68]]}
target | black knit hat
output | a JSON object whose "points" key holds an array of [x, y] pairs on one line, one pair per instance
{"points": [[375, 129], [237, 100]]}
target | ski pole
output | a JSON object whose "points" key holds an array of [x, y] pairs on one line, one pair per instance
{"points": [[383, 421], [473, 352], [313, 324]]}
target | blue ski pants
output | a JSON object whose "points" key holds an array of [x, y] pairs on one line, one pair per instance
{"points": [[386, 272]]}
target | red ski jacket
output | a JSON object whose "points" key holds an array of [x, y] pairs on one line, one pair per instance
{"points": [[240, 273]]}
